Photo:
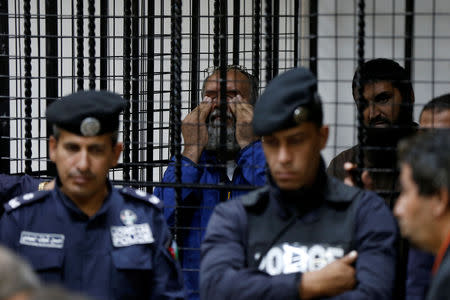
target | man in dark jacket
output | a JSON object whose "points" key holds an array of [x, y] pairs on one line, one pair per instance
{"points": [[303, 235], [204, 161], [386, 103], [423, 208]]}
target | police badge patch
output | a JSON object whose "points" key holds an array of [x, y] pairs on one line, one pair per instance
{"points": [[90, 127], [123, 236], [128, 217]]}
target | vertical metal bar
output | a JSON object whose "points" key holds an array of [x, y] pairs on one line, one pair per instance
{"points": [[216, 43], [135, 89], [296, 31], [127, 88], [269, 60], [195, 53], [360, 88], [104, 7], [313, 20], [4, 89], [409, 32], [150, 86], [175, 97], [223, 82], [276, 37], [256, 37], [236, 30], [27, 65], [80, 46], [51, 60], [91, 34]]}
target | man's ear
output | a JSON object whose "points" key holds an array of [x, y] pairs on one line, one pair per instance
{"points": [[323, 133], [117, 150], [442, 202], [52, 144]]}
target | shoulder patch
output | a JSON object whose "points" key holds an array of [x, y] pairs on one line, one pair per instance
{"points": [[141, 195], [254, 197], [25, 199]]}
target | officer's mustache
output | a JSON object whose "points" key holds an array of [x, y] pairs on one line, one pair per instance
{"points": [[86, 174]]}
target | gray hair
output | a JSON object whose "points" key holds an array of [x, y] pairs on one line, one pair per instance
{"points": [[16, 275]]}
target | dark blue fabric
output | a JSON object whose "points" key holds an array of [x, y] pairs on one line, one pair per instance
{"points": [[420, 264], [225, 275], [88, 261], [12, 186], [198, 204]]}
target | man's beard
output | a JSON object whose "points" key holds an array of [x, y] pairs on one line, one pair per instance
{"points": [[213, 124], [381, 142]]}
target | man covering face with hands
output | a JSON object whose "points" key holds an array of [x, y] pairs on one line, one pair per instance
{"points": [[239, 161]]}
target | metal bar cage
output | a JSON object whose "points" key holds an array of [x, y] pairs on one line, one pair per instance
{"points": [[154, 53]]}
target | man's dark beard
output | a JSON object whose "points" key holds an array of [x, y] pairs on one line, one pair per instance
{"points": [[381, 143], [231, 145]]}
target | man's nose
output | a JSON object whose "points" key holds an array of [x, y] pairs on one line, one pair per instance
{"points": [[83, 161], [216, 103], [284, 154], [398, 208], [373, 110]]}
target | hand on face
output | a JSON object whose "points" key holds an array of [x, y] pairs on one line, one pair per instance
{"points": [[194, 130], [243, 113]]}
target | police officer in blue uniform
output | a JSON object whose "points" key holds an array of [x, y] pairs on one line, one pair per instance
{"points": [[91, 237], [305, 235]]}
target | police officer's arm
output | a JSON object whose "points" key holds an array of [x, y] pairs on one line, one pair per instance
{"points": [[167, 278], [223, 270], [334, 279], [9, 231], [376, 235], [12, 186]]}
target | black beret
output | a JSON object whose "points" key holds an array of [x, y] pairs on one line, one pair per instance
{"points": [[288, 100], [87, 113]]}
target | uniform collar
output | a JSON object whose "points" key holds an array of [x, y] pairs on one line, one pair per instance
{"points": [[72, 207], [300, 202], [441, 254]]}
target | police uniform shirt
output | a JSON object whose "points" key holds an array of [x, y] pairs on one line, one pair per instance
{"points": [[119, 253]]}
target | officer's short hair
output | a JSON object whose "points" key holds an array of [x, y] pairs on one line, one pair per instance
{"points": [[114, 135], [437, 104], [252, 79], [383, 69], [16, 275], [56, 293], [427, 153]]}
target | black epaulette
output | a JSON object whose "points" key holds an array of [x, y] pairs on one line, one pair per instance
{"points": [[25, 199], [256, 199], [141, 195]]}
